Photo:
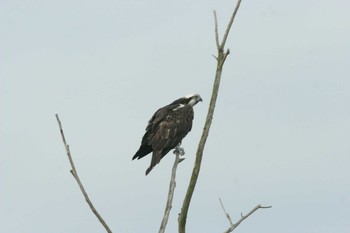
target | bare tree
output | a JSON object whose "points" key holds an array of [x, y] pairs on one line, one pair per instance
{"points": [[220, 58]]}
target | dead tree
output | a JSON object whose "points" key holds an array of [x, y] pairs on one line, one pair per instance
{"points": [[221, 56]]}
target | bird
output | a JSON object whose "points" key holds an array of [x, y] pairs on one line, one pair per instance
{"points": [[167, 128]]}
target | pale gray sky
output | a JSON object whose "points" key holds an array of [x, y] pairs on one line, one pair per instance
{"points": [[280, 134]]}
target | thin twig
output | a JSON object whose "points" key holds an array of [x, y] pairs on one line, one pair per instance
{"points": [[76, 177], [221, 57], [230, 24], [225, 55], [227, 215], [216, 31], [170, 192], [243, 217]]}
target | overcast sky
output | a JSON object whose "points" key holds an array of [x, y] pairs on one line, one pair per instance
{"points": [[280, 134]]}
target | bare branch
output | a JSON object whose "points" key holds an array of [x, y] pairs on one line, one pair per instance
{"points": [[195, 172], [216, 31], [243, 217], [171, 191], [230, 24], [227, 215], [76, 177]]}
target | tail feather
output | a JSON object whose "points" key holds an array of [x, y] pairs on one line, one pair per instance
{"points": [[156, 157], [148, 170], [142, 152]]}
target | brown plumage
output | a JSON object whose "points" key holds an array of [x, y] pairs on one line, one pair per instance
{"points": [[166, 129]]}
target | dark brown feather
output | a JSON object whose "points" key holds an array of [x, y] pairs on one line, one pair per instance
{"points": [[169, 132], [166, 129]]}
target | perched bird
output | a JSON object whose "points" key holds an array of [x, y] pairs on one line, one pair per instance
{"points": [[166, 129]]}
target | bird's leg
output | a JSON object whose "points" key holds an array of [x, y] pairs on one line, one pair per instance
{"points": [[179, 150]]}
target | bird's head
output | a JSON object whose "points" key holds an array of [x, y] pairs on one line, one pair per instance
{"points": [[192, 99]]}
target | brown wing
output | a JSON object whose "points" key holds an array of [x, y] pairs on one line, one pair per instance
{"points": [[153, 123], [169, 132]]}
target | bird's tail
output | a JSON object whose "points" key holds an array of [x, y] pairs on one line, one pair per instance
{"points": [[156, 157], [143, 151], [148, 170]]}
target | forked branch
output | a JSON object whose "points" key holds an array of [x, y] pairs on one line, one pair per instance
{"points": [[76, 177], [221, 57], [243, 217]]}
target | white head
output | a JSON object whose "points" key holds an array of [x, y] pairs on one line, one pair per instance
{"points": [[193, 99]]}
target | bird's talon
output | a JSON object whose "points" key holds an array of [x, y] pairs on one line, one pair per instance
{"points": [[179, 150]]}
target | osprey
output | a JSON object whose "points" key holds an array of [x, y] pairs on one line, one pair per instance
{"points": [[166, 129]]}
